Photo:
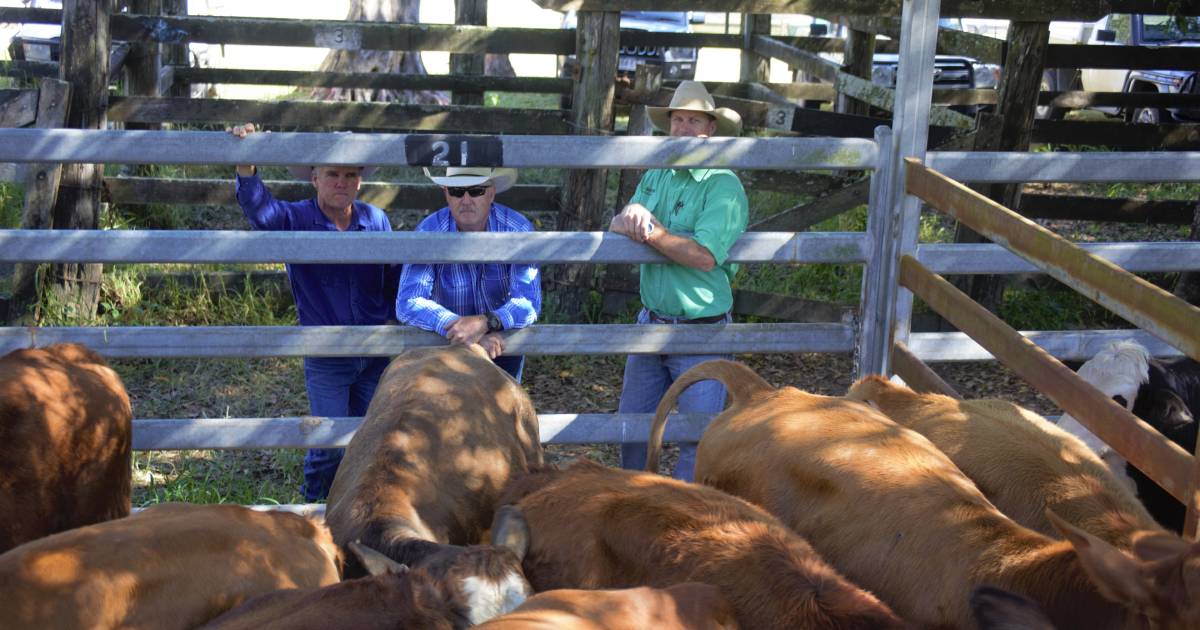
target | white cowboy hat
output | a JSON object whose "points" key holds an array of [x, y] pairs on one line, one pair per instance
{"points": [[692, 96], [467, 176], [304, 173]]}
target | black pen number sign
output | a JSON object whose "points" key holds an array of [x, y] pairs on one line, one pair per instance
{"points": [[453, 150]]}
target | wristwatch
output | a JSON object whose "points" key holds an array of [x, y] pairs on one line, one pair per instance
{"points": [[493, 322]]}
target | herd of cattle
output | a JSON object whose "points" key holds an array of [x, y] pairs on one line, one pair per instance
{"points": [[883, 508]]}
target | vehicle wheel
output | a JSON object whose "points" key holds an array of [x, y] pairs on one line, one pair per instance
{"points": [[1146, 116], [1048, 112]]}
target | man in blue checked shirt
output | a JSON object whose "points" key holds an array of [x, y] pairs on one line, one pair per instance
{"points": [[328, 295], [473, 302]]}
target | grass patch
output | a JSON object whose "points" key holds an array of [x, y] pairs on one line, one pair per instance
{"points": [[12, 198]]}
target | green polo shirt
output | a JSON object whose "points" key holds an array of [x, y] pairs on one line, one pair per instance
{"points": [[710, 206]]}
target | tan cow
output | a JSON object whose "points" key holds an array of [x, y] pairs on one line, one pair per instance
{"points": [[170, 566], [594, 527], [687, 606], [65, 442], [1019, 460], [421, 477], [392, 597], [889, 510]]}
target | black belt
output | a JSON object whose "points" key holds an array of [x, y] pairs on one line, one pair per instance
{"points": [[713, 319]]}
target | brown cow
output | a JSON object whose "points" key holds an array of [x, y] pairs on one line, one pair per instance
{"points": [[894, 514], [1019, 460], [170, 566], [687, 606], [392, 597], [595, 527], [65, 429], [421, 476]]}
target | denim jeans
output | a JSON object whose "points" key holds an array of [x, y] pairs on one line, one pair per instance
{"points": [[337, 387], [514, 365], [647, 378]]}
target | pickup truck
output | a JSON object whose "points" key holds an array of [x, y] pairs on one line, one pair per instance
{"points": [[678, 63], [1132, 30]]}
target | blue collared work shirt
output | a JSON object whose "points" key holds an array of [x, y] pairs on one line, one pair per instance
{"points": [[431, 297], [325, 294]]}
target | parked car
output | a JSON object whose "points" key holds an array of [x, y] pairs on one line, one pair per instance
{"points": [[678, 63], [1126, 29]]}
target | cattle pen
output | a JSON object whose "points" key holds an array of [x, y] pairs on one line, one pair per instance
{"points": [[904, 174]]}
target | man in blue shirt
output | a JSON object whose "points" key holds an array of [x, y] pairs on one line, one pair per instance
{"points": [[328, 295], [472, 302]]}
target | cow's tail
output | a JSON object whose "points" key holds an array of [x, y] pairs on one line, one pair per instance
{"points": [[739, 380]]}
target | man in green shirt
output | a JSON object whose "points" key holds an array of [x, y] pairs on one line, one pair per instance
{"points": [[693, 217]]}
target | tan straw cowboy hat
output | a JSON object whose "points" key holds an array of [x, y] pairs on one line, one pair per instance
{"points": [[693, 97], [467, 176]]}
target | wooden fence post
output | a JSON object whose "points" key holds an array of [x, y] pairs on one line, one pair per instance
{"points": [[859, 52], [84, 64], [41, 192], [597, 40], [144, 62], [1009, 129], [174, 55], [755, 67], [473, 12]]}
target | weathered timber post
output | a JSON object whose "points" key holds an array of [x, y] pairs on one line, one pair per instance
{"points": [[41, 191], [755, 67], [174, 55], [620, 282], [597, 39], [84, 64], [1009, 129], [859, 51], [144, 62], [468, 12]]}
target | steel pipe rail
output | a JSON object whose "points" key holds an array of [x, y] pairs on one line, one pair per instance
{"points": [[1013, 167], [379, 149], [1066, 345], [988, 258], [178, 434], [386, 341], [227, 246]]}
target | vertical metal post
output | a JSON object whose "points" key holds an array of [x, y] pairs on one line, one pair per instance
{"points": [[878, 304], [910, 124]]}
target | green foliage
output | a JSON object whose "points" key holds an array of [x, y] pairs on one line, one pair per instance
{"points": [[522, 100], [11, 200], [1039, 309]]}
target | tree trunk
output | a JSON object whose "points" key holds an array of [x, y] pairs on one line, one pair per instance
{"points": [[383, 61]]}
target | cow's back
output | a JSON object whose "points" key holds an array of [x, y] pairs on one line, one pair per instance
{"points": [[441, 437], [171, 566], [687, 606], [65, 427]]}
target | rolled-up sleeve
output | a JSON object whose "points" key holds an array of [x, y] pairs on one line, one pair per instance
{"points": [[525, 298], [414, 301], [724, 216]]}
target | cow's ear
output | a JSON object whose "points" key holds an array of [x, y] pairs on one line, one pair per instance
{"points": [[374, 562], [509, 530], [1114, 573]]}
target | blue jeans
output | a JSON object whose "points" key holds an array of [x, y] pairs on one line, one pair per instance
{"points": [[337, 387], [514, 365], [647, 378]]}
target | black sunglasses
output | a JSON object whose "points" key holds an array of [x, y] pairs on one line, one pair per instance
{"points": [[474, 191]]}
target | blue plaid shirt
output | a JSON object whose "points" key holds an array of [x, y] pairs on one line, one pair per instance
{"points": [[433, 296]]}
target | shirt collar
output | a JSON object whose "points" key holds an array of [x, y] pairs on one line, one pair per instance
{"points": [[698, 174], [359, 221]]}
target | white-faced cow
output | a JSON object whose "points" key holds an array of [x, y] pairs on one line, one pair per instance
{"points": [[65, 429], [420, 479]]}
